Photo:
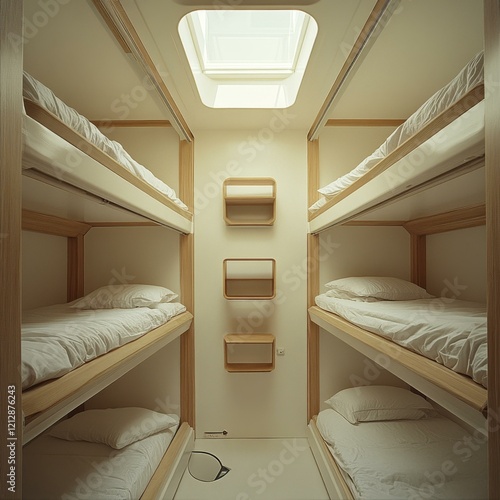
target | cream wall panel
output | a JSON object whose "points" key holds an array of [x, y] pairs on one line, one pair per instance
{"points": [[343, 148], [456, 264], [157, 148], [44, 269], [131, 255], [357, 251], [364, 251], [251, 404], [138, 255], [153, 384]]}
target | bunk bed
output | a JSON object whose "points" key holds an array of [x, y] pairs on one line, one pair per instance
{"points": [[442, 139], [387, 442], [110, 453], [440, 341], [70, 354], [63, 148]]}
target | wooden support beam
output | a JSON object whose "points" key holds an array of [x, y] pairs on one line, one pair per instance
{"points": [[312, 171], [362, 122], [186, 193], [312, 328], [11, 421], [75, 266], [418, 249], [111, 124], [50, 224], [492, 148], [461, 218]]}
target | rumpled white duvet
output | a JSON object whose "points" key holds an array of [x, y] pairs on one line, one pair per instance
{"points": [[40, 94], [407, 459], [451, 332], [55, 468], [56, 339], [470, 76]]}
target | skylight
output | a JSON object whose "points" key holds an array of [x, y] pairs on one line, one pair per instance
{"points": [[248, 58]]}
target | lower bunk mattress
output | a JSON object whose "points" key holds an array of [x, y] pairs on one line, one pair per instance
{"points": [[97, 467], [57, 339], [407, 459], [450, 332]]}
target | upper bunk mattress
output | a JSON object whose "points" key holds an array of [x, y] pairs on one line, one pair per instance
{"points": [[451, 332], [407, 459], [56, 468], [470, 77], [38, 93], [57, 339]]}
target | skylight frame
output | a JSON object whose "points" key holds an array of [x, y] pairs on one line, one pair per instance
{"points": [[263, 69], [258, 86]]}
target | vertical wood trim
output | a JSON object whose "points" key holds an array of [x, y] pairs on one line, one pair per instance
{"points": [[186, 194], [187, 339], [312, 284], [312, 171], [186, 173], [418, 248], [11, 65], [76, 267], [312, 328], [492, 154]]}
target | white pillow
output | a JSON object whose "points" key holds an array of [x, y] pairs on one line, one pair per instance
{"points": [[384, 288], [375, 402], [125, 297], [341, 294], [116, 427]]}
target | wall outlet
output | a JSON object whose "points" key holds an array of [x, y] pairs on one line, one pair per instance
{"points": [[215, 434], [280, 351]]}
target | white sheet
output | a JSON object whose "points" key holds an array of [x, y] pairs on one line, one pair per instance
{"points": [[451, 332], [57, 339], [54, 468], [407, 459], [40, 94], [467, 79]]}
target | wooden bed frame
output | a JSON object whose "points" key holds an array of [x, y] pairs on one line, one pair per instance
{"points": [[97, 174], [46, 403], [330, 472], [403, 362], [335, 212]]}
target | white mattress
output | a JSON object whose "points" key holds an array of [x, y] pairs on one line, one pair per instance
{"points": [[57, 339], [453, 333], [466, 80], [54, 468], [41, 95], [407, 459]]}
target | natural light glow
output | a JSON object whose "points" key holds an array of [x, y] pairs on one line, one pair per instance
{"points": [[248, 58]]}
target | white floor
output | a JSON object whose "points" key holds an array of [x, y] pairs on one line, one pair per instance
{"points": [[267, 469]]}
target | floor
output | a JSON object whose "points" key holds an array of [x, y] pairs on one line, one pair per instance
{"points": [[263, 469]]}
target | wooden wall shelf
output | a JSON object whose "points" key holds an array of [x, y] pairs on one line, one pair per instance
{"points": [[249, 201], [249, 279], [249, 352]]}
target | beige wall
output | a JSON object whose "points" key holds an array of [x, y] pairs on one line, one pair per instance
{"points": [[456, 264], [251, 404], [138, 255], [44, 270], [357, 251]]}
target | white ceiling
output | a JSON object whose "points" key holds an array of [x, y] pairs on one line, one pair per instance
{"points": [[424, 45]]}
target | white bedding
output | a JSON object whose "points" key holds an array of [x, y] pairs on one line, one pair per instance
{"points": [[40, 94], [467, 79], [57, 339], [54, 468], [407, 459], [451, 332]]}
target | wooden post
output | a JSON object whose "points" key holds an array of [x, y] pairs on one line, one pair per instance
{"points": [[492, 153], [11, 67], [186, 192]]}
